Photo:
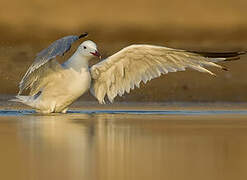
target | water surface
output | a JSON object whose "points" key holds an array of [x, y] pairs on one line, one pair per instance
{"points": [[112, 145]]}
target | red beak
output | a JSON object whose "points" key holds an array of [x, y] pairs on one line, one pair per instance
{"points": [[97, 54]]}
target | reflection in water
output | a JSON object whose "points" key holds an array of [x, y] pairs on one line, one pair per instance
{"points": [[58, 146], [110, 147]]}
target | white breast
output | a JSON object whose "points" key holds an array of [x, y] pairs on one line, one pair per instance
{"points": [[79, 82], [63, 91]]}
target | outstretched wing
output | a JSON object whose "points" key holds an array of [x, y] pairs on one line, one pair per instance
{"points": [[127, 68], [57, 48]]}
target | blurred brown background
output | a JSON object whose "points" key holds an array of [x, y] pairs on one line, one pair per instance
{"points": [[27, 26]]}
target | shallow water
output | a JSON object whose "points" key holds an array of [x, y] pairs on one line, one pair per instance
{"points": [[106, 144]]}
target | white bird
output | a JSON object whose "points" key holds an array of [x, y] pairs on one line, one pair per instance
{"points": [[53, 86]]}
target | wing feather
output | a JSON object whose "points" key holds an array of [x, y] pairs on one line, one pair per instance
{"points": [[134, 64], [57, 48]]}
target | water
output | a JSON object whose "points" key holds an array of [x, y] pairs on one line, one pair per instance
{"points": [[119, 145]]}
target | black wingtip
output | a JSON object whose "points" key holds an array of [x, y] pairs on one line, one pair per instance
{"points": [[83, 35], [225, 69], [221, 54], [229, 56]]}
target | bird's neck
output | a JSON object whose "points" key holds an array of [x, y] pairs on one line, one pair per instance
{"points": [[78, 62]]}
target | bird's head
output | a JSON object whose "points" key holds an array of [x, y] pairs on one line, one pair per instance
{"points": [[89, 49]]}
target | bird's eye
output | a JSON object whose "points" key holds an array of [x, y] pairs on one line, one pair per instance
{"points": [[84, 47]]}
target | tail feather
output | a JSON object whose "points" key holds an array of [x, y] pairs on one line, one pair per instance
{"points": [[22, 99]]}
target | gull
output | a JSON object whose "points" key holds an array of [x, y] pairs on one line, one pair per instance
{"points": [[54, 86]]}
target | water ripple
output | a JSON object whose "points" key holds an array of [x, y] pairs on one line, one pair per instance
{"points": [[136, 112]]}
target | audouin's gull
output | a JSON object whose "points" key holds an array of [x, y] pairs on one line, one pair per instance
{"points": [[53, 86]]}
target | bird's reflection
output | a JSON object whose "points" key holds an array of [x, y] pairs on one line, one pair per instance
{"points": [[58, 144], [107, 147], [80, 144]]}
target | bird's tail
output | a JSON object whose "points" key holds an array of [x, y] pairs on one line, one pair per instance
{"points": [[28, 100]]}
